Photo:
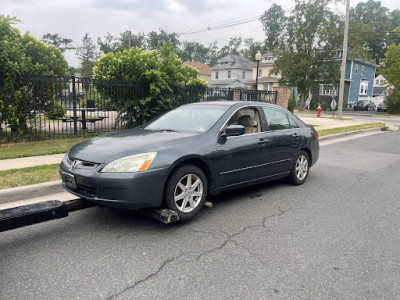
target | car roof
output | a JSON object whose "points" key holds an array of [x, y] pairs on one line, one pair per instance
{"points": [[231, 103]]}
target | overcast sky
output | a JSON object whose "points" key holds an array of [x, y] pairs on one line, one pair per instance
{"points": [[73, 18]]}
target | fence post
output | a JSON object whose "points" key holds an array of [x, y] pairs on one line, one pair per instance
{"points": [[276, 97], [74, 106]]}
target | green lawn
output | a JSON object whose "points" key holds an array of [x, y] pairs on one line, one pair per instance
{"points": [[15, 150], [28, 176], [337, 130]]}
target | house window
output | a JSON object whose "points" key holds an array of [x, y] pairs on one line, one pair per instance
{"points": [[378, 82], [356, 69], [216, 75], [269, 58], [244, 74], [362, 70], [259, 73], [326, 90], [363, 87], [229, 74]]}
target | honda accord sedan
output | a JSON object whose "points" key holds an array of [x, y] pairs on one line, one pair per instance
{"points": [[196, 150]]}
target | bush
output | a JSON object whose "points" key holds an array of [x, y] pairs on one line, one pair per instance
{"points": [[54, 110], [292, 102], [393, 102]]}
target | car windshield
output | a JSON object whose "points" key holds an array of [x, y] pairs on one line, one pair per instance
{"points": [[363, 102], [193, 118]]}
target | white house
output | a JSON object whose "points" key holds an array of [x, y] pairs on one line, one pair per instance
{"points": [[231, 71]]}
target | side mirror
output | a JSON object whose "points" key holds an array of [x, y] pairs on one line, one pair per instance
{"points": [[234, 130]]}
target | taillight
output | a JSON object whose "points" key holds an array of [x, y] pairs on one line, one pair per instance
{"points": [[317, 136]]}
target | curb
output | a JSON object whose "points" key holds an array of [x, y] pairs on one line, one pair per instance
{"points": [[344, 134], [30, 191]]}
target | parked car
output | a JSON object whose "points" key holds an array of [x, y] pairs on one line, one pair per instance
{"points": [[191, 152], [364, 105], [382, 107]]}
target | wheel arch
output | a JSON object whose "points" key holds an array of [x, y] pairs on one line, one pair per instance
{"points": [[308, 151]]}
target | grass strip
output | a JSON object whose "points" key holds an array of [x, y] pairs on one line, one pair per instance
{"points": [[337, 130], [27, 176], [25, 149]]}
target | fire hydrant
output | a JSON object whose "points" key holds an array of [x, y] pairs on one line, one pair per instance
{"points": [[319, 111]]}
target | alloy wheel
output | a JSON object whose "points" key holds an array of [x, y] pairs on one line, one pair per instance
{"points": [[188, 193], [301, 167]]}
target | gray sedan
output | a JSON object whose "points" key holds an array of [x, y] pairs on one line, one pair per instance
{"points": [[191, 152]]}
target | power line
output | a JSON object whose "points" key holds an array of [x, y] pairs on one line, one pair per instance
{"points": [[372, 32], [238, 21]]}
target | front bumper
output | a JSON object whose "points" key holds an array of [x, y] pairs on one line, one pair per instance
{"points": [[120, 190]]}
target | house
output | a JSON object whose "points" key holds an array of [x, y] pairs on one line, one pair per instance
{"points": [[231, 71], [359, 82], [266, 81], [204, 70], [381, 88]]}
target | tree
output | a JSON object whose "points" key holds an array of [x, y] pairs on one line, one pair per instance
{"points": [[108, 43], [313, 36], [58, 42], [274, 23], [87, 54], [251, 48], [129, 40], [194, 51], [21, 55], [161, 75], [377, 21], [156, 40], [390, 69]]}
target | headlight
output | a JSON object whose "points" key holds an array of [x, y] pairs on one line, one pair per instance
{"points": [[128, 164]]}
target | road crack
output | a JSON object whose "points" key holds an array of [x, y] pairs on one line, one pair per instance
{"points": [[135, 284]]}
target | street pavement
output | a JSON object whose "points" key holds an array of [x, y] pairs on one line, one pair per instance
{"points": [[335, 237]]}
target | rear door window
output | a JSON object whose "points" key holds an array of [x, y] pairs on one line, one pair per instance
{"points": [[277, 119]]}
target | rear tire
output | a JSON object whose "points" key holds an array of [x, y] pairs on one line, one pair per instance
{"points": [[300, 169], [186, 191]]}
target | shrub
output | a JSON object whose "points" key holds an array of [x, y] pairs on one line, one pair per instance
{"points": [[393, 102], [292, 102]]}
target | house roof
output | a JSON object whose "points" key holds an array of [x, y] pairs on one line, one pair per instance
{"points": [[378, 90], [222, 81], [233, 61], [202, 68], [270, 79]]}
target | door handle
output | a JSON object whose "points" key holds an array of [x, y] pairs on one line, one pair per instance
{"points": [[296, 135], [262, 141]]}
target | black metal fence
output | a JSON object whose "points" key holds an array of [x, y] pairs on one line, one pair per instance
{"points": [[43, 107]]}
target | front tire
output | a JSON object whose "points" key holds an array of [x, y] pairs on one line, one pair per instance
{"points": [[186, 191], [300, 169]]}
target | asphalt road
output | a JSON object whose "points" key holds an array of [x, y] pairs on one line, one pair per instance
{"points": [[337, 236]]}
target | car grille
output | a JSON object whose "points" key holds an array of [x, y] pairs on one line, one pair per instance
{"points": [[81, 164], [88, 190]]}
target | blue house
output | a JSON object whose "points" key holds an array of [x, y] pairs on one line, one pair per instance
{"points": [[359, 82]]}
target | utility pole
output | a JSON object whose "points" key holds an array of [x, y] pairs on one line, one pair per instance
{"points": [[344, 59]]}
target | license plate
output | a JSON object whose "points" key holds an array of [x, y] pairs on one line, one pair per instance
{"points": [[68, 179]]}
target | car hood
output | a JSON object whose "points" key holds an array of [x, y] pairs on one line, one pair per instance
{"points": [[124, 143]]}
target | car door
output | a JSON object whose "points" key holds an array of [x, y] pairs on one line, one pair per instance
{"points": [[285, 139], [242, 159]]}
